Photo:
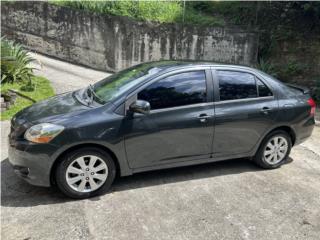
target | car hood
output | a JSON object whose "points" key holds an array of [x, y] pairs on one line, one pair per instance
{"points": [[56, 108]]}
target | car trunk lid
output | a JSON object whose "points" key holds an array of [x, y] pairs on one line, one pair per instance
{"points": [[303, 90]]}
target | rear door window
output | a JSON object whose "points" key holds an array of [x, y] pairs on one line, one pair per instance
{"points": [[236, 85]]}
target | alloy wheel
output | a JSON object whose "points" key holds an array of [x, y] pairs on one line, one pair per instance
{"points": [[275, 150], [86, 173]]}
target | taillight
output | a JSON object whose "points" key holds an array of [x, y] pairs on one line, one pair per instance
{"points": [[312, 104]]}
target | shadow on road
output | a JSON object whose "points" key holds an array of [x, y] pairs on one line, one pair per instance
{"points": [[17, 193]]}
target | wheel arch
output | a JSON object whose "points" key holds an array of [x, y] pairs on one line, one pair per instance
{"points": [[79, 146], [288, 130], [284, 128]]}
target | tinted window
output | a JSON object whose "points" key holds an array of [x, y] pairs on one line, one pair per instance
{"points": [[264, 91], [236, 85], [176, 90]]}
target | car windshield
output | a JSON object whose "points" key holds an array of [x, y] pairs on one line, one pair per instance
{"points": [[116, 84]]}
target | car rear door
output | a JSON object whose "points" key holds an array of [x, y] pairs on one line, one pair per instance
{"points": [[245, 109], [180, 124]]}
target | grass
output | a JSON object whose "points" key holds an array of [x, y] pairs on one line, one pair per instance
{"points": [[159, 11], [42, 91]]}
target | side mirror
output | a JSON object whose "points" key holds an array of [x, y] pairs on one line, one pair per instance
{"points": [[140, 106]]}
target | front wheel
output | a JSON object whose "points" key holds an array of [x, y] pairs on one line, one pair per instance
{"points": [[274, 150], [85, 173]]}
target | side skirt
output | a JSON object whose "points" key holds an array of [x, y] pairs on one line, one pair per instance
{"points": [[186, 163]]}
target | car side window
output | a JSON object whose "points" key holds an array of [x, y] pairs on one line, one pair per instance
{"points": [[236, 85], [263, 90], [176, 90]]}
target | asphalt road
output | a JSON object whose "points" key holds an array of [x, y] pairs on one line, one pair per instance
{"points": [[225, 200]]}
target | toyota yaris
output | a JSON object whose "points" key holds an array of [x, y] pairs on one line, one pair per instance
{"points": [[158, 115]]}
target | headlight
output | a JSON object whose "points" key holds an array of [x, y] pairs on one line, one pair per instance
{"points": [[43, 133]]}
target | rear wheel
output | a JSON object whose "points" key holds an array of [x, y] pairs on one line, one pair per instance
{"points": [[85, 173], [274, 150]]}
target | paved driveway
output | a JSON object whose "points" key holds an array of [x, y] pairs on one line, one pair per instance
{"points": [[65, 76], [226, 200]]}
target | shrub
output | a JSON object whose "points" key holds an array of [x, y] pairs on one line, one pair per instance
{"points": [[42, 90], [14, 63], [160, 11], [294, 68], [141, 10], [29, 87], [267, 67]]}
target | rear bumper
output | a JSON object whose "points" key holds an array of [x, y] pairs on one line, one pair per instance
{"points": [[304, 131], [31, 162]]}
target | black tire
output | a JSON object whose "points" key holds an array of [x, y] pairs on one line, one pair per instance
{"points": [[60, 173], [259, 158]]}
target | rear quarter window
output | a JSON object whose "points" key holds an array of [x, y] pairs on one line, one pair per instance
{"points": [[263, 90]]}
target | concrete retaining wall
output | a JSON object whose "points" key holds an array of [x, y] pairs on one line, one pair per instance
{"points": [[112, 43]]}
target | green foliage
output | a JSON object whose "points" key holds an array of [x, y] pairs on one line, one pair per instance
{"points": [[275, 20], [294, 68], [14, 63], [29, 87], [242, 13], [42, 90], [160, 11], [140, 10], [267, 67], [291, 70], [302, 15], [193, 16], [316, 91]]}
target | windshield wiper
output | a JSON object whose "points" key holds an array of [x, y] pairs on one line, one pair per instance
{"points": [[94, 95]]}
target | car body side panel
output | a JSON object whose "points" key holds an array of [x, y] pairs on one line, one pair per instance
{"points": [[169, 136], [239, 125], [295, 112], [98, 126], [101, 127], [186, 162]]}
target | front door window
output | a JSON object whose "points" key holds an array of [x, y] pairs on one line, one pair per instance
{"points": [[177, 90]]}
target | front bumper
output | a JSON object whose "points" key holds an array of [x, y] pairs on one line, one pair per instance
{"points": [[32, 162]]}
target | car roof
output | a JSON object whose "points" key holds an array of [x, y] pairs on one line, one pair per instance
{"points": [[161, 67], [169, 65]]}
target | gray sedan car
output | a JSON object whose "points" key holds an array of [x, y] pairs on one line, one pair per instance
{"points": [[158, 115]]}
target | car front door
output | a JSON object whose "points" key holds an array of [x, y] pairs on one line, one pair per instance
{"points": [[245, 109], [180, 124]]}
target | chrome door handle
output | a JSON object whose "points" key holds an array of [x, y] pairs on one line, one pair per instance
{"points": [[203, 117], [265, 110]]}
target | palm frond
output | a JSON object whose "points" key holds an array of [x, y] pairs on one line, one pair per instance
{"points": [[15, 62]]}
